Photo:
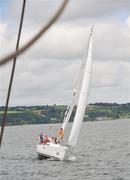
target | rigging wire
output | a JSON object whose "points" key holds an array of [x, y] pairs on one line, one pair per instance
{"points": [[12, 72], [21, 50]]}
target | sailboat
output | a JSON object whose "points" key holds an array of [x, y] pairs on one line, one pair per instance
{"points": [[58, 151]]}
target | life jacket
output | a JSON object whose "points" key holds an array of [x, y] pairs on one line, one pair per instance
{"points": [[61, 133]]}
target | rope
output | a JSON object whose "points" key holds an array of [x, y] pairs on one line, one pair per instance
{"points": [[12, 73], [36, 37]]}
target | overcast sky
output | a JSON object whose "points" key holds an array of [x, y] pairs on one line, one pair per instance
{"points": [[46, 74]]}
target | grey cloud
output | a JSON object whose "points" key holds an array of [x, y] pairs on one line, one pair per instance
{"points": [[68, 41], [46, 74], [42, 83], [54, 82], [111, 41], [41, 10]]}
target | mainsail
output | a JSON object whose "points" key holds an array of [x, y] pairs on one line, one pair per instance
{"points": [[76, 92], [83, 97]]}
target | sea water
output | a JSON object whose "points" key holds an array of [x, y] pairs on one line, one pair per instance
{"points": [[102, 153]]}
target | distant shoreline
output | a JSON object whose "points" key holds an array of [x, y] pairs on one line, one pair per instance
{"points": [[21, 115], [69, 122]]}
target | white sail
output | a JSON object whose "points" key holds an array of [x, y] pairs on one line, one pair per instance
{"points": [[83, 98], [69, 110], [75, 93]]}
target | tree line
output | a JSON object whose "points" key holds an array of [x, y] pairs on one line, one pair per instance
{"points": [[19, 115]]}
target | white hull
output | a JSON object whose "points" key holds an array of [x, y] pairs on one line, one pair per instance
{"points": [[51, 150]]}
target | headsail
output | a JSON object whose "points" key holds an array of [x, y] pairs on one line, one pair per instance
{"points": [[69, 110], [83, 97]]}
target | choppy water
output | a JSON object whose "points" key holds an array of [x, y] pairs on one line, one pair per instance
{"points": [[103, 153]]}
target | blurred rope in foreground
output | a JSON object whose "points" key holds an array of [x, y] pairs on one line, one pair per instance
{"points": [[36, 37], [12, 73]]}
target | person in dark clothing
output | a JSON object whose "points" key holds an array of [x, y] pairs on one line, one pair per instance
{"points": [[41, 138]]}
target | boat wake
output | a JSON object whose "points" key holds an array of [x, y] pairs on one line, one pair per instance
{"points": [[71, 158]]}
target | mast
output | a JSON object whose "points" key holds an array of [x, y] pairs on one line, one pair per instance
{"points": [[83, 97]]}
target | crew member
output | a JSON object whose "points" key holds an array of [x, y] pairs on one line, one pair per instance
{"points": [[61, 133], [41, 138]]}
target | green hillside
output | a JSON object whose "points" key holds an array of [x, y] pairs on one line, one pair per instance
{"points": [[54, 114]]}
